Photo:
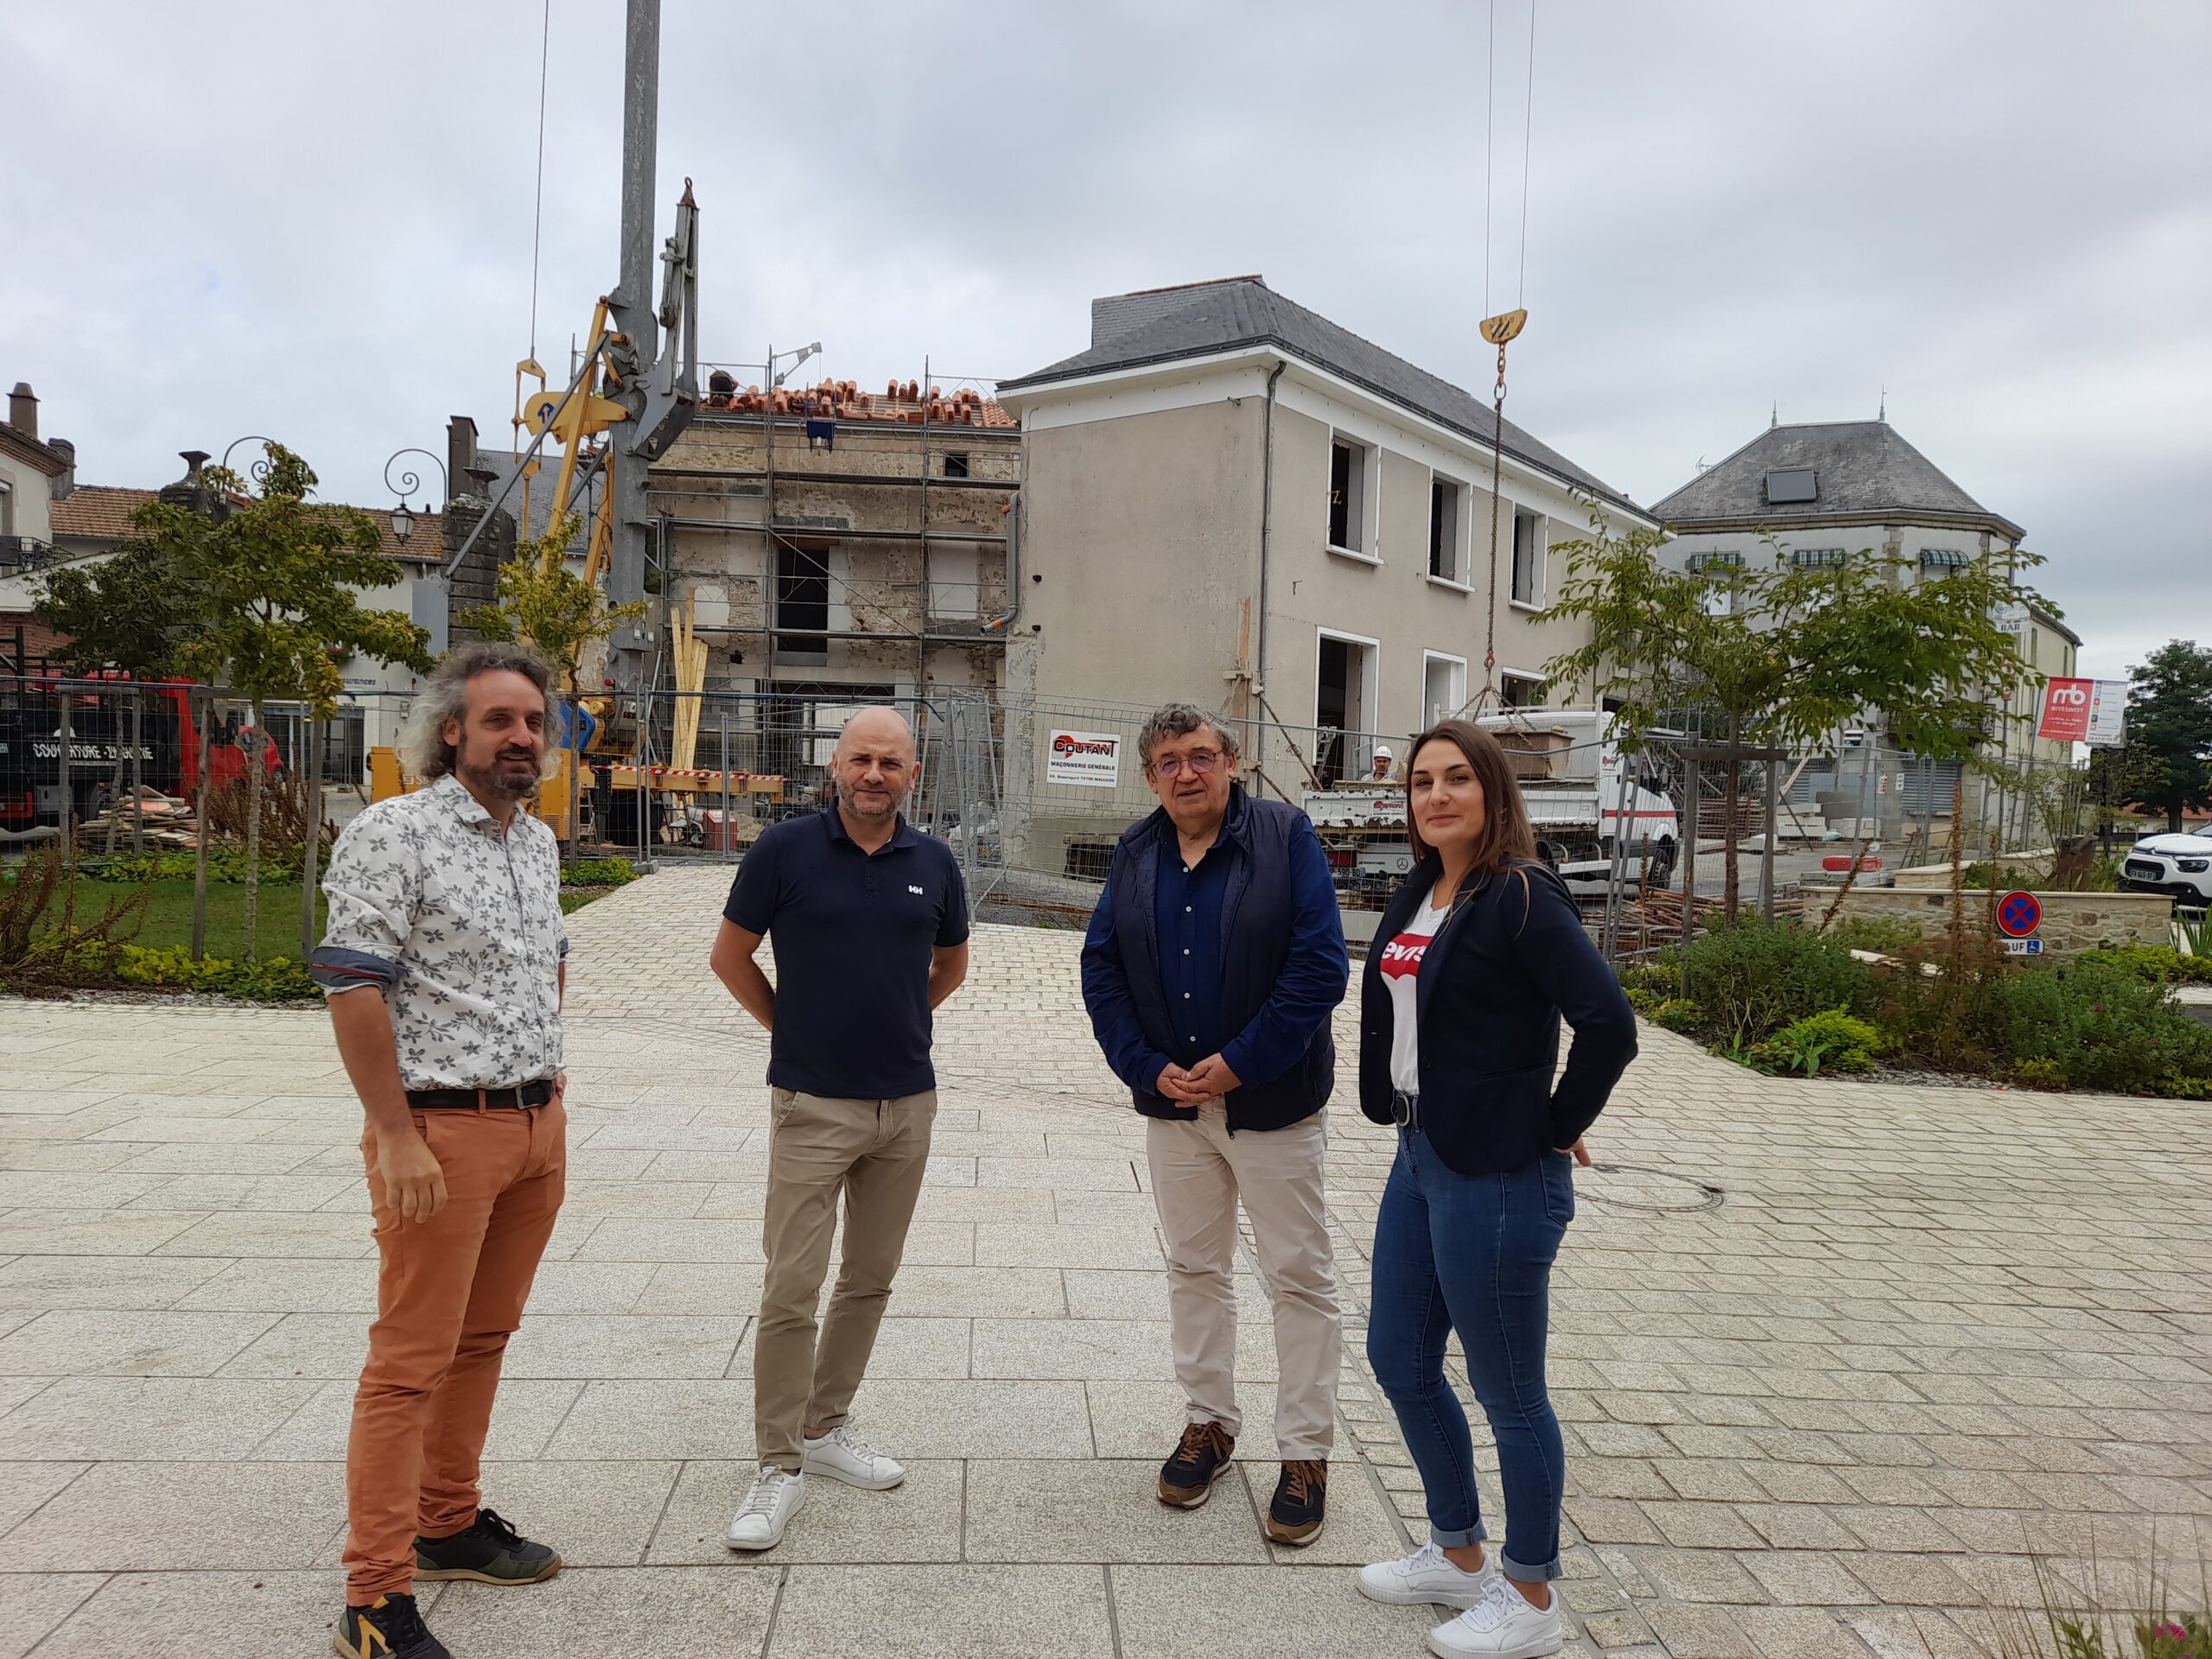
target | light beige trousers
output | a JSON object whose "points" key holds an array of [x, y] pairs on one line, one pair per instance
{"points": [[874, 1153], [1200, 1172]]}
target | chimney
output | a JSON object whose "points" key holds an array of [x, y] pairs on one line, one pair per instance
{"points": [[63, 484], [461, 450], [191, 490], [22, 409]]}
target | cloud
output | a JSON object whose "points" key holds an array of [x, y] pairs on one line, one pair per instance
{"points": [[316, 222]]}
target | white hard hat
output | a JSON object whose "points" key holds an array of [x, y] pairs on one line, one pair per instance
{"points": [[1383, 752]]}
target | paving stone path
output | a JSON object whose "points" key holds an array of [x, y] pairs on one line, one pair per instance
{"points": [[1841, 1366]]}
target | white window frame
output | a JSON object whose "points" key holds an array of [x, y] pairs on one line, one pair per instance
{"points": [[1427, 716], [1540, 559], [1368, 526], [1462, 533], [1536, 680]]}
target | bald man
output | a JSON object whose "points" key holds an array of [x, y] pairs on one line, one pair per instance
{"points": [[868, 921]]}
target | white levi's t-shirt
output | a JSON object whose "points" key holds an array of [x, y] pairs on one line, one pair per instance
{"points": [[1402, 958]]}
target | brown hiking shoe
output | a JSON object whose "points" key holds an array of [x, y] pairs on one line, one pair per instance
{"points": [[1301, 1502], [1186, 1478]]}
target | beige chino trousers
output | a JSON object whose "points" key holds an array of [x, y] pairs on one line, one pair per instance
{"points": [[1200, 1172], [873, 1153]]}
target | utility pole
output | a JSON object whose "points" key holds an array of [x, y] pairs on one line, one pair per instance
{"points": [[659, 379]]}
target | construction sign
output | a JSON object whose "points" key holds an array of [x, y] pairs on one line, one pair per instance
{"points": [[1092, 760], [2085, 711]]}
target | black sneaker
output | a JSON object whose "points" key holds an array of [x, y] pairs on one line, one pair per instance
{"points": [[488, 1551], [1300, 1503], [1186, 1478], [391, 1629]]}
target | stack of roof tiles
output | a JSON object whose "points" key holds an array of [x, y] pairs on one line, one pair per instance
{"points": [[902, 403]]}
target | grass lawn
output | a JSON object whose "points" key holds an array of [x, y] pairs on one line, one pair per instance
{"points": [[169, 915]]}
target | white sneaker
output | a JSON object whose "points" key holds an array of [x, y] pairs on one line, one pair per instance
{"points": [[1426, 1576], [1502, 1625], [842, 1455], [768, 1507]]}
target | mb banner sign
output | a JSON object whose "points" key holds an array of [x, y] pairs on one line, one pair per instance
{"points": [[2085, 711]]}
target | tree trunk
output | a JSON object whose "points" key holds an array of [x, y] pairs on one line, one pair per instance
{"points": [[1958, 876], [1850, 877], [1731, 823], [251, 901]]}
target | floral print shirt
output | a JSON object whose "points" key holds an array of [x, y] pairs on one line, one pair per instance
{"points": [[460, 927]]}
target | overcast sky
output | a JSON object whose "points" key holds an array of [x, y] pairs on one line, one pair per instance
{"points": [[314, 221]]}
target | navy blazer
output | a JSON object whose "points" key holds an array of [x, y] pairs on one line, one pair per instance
{"points": [[1283, 966], [1511, 960]]}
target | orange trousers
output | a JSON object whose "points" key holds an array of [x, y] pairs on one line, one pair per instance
{"points": [[449, 1292]]}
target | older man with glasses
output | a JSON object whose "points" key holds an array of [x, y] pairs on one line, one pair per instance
{"points": [[1213, 962]]}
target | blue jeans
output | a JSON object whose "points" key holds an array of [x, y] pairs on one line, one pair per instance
{"points": [[1473, 1253]]}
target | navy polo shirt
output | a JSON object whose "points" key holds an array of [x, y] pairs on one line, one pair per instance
{"points": [[852, 933], [1187, 909]]}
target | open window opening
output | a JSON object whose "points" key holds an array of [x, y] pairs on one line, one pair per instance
{"points": [[1348, 497], [1528, 557], [1447, 529], [801, 604], [1443, 686], [1343, 702]]}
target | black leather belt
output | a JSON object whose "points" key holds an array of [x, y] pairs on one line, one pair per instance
{"points": [[1405, 1109], [517, 1098]]}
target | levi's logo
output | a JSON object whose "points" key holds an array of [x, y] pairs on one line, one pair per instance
{"points": [[1401, 957], [916, 891]]}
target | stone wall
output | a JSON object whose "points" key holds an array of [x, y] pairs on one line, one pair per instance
{"points": [[2072, 922]]}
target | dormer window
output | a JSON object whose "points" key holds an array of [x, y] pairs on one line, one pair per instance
{"points": [[1793, 484]]}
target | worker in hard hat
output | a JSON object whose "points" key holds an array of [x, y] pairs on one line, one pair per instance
{"points": [[1384, 763]]}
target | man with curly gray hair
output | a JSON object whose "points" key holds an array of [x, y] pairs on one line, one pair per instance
{"points": [[443, 969]]}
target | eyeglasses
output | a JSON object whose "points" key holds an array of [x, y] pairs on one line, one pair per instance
{"points": [[1200, 761]]}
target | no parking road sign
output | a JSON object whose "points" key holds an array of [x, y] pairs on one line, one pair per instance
{"points": [[2018, 914]]}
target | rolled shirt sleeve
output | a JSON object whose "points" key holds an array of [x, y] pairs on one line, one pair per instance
{"points": [[373, 885]]}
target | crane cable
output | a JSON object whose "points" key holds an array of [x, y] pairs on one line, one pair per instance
{"points": [[1501, 328]]}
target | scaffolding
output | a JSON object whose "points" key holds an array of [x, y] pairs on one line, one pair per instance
{"points": [[953, 422]]}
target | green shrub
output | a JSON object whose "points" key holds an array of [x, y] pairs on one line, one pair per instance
{"points": [[1658, 977], [2161, 964], [1834, 1040], [1753, 977], [277, 979], [2098, 1025], [1678, 1014], [2009, 876], [598, 873], [1884, 934], [2039, 1074], [225, 865]]}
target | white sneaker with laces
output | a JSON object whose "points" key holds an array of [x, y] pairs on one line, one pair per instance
{"points": [[775, 1497], [842, 1455], [1426, 1576], [1502, 1625]]}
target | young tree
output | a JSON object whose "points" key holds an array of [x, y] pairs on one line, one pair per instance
{"points": [[1794, 651], [276, 579], [136, 610], [2170, 729], [543, 603]]}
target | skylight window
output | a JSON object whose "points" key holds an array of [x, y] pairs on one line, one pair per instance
{"points": [[1796, 484]]}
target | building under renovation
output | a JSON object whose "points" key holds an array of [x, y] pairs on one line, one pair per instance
{"points": [[842, 546]]}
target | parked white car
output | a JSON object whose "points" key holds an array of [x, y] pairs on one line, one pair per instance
{"points": [[2180, 866]]}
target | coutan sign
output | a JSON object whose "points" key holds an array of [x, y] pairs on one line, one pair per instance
{"points": [[1089, 759]]}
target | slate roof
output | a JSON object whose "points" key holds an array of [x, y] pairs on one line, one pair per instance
{"points": [[1866, 472], [1155, 326]]}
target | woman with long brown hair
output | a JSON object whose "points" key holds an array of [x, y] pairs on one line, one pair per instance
{"points": [[1478, 958]]}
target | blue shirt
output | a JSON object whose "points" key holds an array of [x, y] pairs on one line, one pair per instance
{"points": [[1186, 908], [852, 934]]}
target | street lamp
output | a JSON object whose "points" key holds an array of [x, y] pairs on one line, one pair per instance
{"points": [[403, 518]]}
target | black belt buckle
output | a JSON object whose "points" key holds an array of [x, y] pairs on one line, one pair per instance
{"points": [[1405, 1109]]}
